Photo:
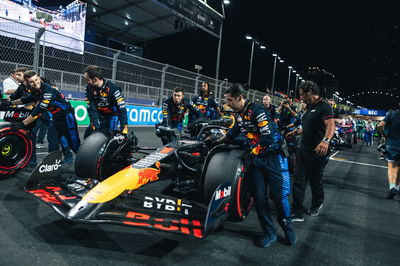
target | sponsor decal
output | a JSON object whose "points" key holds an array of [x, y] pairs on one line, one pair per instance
{"points": [[166, 150], [50, 167], [15, 114], [159, 203], [201, 18], [148, 174], [151, 159], [47, 196], [147, 221], [263, 123], [223, 193]]}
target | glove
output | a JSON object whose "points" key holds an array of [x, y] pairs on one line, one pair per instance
{"points": [[92, 126], [4, 104], [133, 138], [247, 159], [124, 130], [211, 142]]}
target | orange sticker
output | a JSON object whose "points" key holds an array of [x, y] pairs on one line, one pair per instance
{"points": [[166, 150]]}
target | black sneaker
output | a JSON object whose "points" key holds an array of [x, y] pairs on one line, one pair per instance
{"points": [[314, 211], [393, 192], [266, 241], [296, 217]]}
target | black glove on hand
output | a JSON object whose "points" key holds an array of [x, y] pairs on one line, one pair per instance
{"points": [[247, 159], [4, 104], [211, 142], [133, 138]]}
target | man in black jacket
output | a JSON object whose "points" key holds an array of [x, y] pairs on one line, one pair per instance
{"points": [[105, 103], [269, 167], [174, 109], [207, 105], [51, 100]]}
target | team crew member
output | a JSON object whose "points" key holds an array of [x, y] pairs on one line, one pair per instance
{"points": [[26, 94], [269, 166], [318, 127], [53, 101], [174, 109], [208, 106], [11, 83], [106, 104], [391, 123]]}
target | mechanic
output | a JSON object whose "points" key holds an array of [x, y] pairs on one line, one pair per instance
{"points": [[27, 97], [53, 101], [208, 106], [11, 83], [174, 109], [318, 127], [105, 103], [269, 166], [391, 124]]}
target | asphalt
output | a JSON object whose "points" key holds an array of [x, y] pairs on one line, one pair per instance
{"points": [[357, 226]]}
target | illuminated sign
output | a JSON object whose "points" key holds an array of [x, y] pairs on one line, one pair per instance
{"points": [[370, 112]]}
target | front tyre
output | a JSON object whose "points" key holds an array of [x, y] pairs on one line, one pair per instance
{"points": [[228, 166], [96, 157], [15, 150]]}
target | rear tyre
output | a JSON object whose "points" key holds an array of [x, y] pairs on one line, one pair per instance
{"points": [[223, 167], [15, 150]]}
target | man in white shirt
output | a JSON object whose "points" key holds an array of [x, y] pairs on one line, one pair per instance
{"points": [[11, 83]]}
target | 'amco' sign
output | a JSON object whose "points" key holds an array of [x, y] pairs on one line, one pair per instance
{"points": [[139, 115]]}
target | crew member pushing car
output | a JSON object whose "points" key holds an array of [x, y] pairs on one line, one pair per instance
{"points": [[53, 101], [105, 103], [269, 166]]}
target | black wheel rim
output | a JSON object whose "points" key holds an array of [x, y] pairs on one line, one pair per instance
{"points": [[13, 150]]}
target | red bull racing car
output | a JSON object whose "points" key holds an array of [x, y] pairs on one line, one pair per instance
{"points": [[184, 187]]}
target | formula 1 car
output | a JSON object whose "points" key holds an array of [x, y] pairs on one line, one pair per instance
{"points": [[186, 186], [15, 142]]}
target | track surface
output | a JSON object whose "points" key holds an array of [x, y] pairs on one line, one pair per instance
{"points": [[357, 226]]}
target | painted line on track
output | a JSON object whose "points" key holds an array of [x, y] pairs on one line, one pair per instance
{"points": [[358, 163], [333, 154]]}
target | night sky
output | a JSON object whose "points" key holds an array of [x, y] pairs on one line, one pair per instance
{"points": [[344, 38], [357, 41]]}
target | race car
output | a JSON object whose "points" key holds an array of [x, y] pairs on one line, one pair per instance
{"points": [[187, 186], [15, 141]]}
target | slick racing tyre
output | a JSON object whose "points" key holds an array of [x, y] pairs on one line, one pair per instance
{"points": [[227, 166], [15, 149], [96, 157]]}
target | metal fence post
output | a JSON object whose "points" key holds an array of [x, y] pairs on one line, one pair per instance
{"points": [[114, 66], [36, 48], [43, 54], [62, 80], [164, 70], [196, 85]]}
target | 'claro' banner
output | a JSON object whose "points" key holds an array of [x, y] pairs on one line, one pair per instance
{"points": [[137, 115]]}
